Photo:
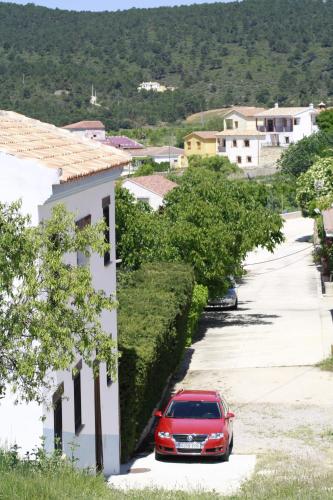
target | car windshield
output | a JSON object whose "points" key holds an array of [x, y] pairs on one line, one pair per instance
{"points": [[193, 409]]}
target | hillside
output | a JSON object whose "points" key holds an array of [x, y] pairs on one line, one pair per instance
{"points": [[252, 52]]}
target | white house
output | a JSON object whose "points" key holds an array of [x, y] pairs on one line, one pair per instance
{"points": [[241, 118], [154, 87], [44, 165], [284, 126], [160, 154], [241, 146], [149, 188], [90, 129]]}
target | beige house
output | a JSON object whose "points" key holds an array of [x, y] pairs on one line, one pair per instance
{"points": [[200, 143], [242, 118]]}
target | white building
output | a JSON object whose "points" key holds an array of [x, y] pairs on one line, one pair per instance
{"points": [[149, 188], [90, 129], [44, 165], [284, 126], [241, 118], [241, 146], [154, 87]]}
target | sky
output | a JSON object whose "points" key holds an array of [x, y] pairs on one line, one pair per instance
{"points": [[98, 5]]}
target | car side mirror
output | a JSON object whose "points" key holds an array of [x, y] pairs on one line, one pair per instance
{"points": [[158, 414], [230, 415]]}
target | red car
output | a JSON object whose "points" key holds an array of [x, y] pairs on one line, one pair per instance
{"points": [[195, 423]]}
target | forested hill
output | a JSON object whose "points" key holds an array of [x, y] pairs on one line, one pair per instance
{"points": [[252, 52]]}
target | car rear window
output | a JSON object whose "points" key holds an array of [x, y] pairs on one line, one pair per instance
{"points": [[193, 409]]}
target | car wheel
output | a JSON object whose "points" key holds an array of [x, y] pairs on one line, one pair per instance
{"points": [[231, 445], [235, 306], [225, 457], [159, 457]]}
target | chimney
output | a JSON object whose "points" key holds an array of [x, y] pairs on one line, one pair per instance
{"points": [[276, 105], [311, 105]]}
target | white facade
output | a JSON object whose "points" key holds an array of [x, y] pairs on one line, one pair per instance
{"points": [[141, 193], [240, 148], [39, 188], [236, 121], [285, 126], [96, 134]]}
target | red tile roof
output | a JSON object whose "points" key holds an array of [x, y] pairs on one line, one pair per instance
{"points": [[85, 125], [158, 184]]}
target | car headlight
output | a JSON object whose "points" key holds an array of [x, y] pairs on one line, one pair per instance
{"points": [[163, 434], [217, 435]]}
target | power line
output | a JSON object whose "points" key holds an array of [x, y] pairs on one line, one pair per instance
{"points": [[278, 258]]}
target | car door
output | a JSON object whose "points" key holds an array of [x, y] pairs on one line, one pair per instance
{"points": [[229, 421]]}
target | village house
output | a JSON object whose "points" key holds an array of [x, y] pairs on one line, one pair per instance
{"points": [[122, 142], [242, 147], [285, 126], [43, 165], [241, 118], [88, 129], [150, 189], [201, 143], [159, 154]]}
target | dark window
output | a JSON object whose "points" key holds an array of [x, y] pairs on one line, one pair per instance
{"points": [[234, 143], [249, 159], [77, 397], [193, 410], [81, 258], [106, 216], [108, 376], [287, 140], [239, 159], [246, 143], [57, 417]]}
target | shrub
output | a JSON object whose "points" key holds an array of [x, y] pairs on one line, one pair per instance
{"points": [[154, 303], [198, 304]]}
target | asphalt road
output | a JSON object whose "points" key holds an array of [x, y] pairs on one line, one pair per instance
{"points": [[261, 357]]}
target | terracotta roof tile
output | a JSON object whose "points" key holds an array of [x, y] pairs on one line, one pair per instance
{"points": [[284, 111], [56, 148], [203, 134], [86, 125], [158, 184]]}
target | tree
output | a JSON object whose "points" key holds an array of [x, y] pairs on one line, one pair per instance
{"points": [[325, 120], [216, 163], [49, 309], [300, 156], [315, 187], [214, 223]]}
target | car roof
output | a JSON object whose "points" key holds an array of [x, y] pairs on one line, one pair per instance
{"points": [[187, 395]]}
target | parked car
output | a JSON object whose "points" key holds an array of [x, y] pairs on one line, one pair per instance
{"points": [[230, 299], [195, 423]]}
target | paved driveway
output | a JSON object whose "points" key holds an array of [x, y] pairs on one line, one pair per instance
{"points": [[261, 358]]}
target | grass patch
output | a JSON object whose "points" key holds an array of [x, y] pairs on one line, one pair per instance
{"points": [[326, 364], [284, 478]]}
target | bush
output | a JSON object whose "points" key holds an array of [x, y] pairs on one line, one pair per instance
{"points": [[199, 302], [154, 303]]}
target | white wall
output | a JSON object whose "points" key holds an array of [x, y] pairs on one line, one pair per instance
{"points": [[83, 203], [139, 192], [253, 150], [244, 123], [21, 424], [98, 135]]}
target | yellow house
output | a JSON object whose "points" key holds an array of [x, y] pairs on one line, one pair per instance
{"points": [[200, 143]]}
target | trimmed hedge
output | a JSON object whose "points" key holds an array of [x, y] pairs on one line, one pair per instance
{"points": [[154, 303], [198, 304]]}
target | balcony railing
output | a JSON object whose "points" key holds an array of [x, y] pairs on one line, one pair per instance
{"points": [[277, 128]]}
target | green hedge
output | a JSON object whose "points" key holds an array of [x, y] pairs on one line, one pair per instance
{"points": [[154, 303], [199, 302]]}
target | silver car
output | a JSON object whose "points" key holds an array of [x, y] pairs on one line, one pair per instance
{"points": [[229, 300]]}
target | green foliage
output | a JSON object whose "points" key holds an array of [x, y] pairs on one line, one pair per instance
{"points": [[198, 304], [152, 328], [208, 222], [325, 120], [300, 156], [148, 167], [49, 309], [315, 187], [216, 163], [243, 52], [281, 192]]}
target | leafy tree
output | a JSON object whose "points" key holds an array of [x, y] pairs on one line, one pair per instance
{"points": [[216, 163], [315, 187], [49, 309], [325, 120], [301, 155]]}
